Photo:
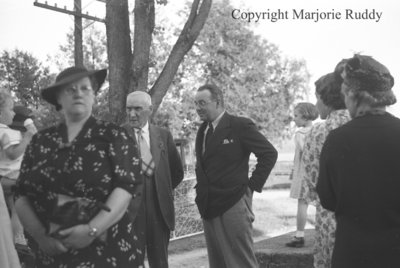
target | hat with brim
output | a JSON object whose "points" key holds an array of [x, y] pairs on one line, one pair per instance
{"points": [[371, 79], [70, 75], [21, 114]]}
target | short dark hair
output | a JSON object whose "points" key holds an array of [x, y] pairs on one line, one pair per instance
{"points": [[216, 92], [329, 88]]}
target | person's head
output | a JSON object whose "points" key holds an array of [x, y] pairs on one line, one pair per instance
{"points": [[304, 113], [367, 85], [328, 94], [209, 102], [74, 91], [6, 107], [138, 108]]}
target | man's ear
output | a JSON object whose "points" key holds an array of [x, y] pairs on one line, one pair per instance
{"points": [[218, 101]]}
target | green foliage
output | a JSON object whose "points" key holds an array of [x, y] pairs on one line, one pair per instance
{"points": [[23, 75], [46, 116], [94, 49], [258, 82], [100, 109]]}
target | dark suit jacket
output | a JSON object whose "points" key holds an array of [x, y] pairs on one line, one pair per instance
{"points": [[168, 172], [359, 179], [223, 171]]}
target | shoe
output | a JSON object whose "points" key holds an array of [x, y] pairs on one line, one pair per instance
{"points": [[297, 242]]}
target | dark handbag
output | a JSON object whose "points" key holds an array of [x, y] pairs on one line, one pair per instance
{"points": [[70, 211]]}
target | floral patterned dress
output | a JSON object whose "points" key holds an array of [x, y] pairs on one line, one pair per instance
{"points": [[299, 136], [325, 223], [101, 158]]}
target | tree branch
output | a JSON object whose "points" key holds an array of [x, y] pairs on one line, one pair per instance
{"points": [[191, 30]]}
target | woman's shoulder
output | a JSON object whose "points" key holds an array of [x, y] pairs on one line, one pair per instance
{"points": [[107, 128], [317, 127]]}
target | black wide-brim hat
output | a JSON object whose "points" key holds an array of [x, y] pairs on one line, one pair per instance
{"points": [[70, 75]]}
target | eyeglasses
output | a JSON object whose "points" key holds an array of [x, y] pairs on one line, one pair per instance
{"points": [[201, 103], [74, 90]]}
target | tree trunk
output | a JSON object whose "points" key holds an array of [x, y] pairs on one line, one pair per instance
{"points": [[119, 56], [197, 18], [130, 72], [144, 26]]}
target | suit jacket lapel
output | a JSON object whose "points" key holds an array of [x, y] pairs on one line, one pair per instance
{"points": [[155, 144], [220, 132]]}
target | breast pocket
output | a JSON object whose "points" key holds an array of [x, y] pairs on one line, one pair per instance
{"points": [[230, 151]]}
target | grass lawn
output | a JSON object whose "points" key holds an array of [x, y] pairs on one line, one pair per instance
{"points": [[275, 215]]}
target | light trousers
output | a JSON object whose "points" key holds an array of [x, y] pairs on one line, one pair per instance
{"points": [[229, 236]]}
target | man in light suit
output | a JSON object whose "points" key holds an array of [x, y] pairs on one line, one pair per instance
{"points": [[153, 211], [224, 191]]}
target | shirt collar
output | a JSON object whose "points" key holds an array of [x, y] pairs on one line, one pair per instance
{"points": [[145, 128], [217, 120]]}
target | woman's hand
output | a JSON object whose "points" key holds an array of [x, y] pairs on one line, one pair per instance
{"points": [[50, 245], [77, 236], [35, 228]]}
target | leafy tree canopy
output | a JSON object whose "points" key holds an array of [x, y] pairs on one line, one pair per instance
{"points": [[257, 80], [23, 75]]}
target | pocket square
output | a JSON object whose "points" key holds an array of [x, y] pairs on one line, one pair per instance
{"points": [[227, 141]]}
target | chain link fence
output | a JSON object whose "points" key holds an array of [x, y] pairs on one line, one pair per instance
{"points": [[188, 220]]}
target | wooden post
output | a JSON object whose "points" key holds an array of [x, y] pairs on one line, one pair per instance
{"points": [[77, 13], [78, 52]]}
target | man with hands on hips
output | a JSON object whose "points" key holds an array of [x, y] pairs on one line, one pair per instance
{"points": [[224, 191]]}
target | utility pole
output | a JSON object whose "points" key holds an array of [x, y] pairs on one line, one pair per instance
{"points": [[78, 29], [78, 53]]}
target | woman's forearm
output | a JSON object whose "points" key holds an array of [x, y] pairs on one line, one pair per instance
{"points": [[118, 202], [28, 218]]}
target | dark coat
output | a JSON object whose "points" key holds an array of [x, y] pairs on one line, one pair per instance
{"points": [[223, 171], [360, 180], [168, 172]]}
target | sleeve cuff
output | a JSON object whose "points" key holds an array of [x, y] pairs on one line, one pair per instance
{"points": [[253, 187]]}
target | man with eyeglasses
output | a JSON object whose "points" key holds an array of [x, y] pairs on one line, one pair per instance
{"points": [[224, 191]]}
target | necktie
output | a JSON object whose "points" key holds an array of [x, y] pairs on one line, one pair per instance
{"points": [[209, 133], [145, 153]]}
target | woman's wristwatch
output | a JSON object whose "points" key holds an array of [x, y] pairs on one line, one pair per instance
{"points": [[92, 231]]}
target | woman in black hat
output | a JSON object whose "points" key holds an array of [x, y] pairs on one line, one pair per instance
{"points": [[360, 173], [79, 162]]}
